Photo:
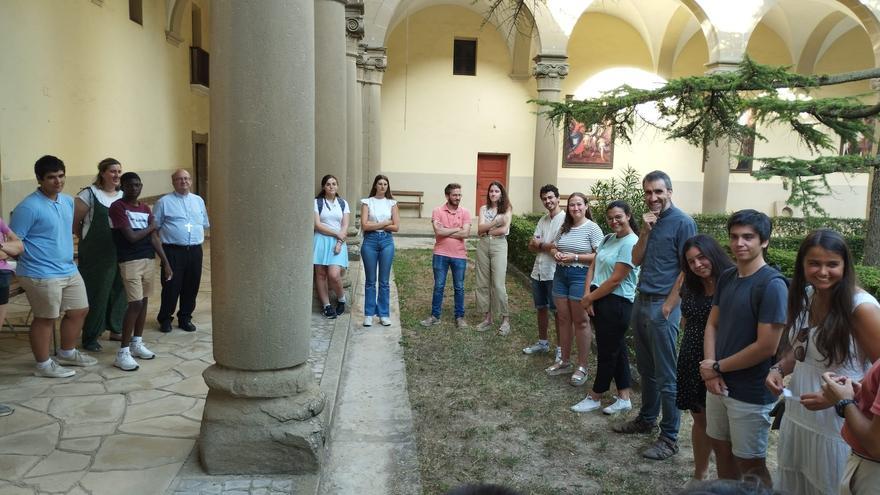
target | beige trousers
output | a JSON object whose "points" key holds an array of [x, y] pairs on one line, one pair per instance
{"points": [[860, 477], [491, 272]]}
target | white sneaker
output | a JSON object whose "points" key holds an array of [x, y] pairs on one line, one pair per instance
{"points": [[537, 348], [619, 406], [54, 370], [140, 351], [385, 321], [586, 405], [125, 362], [78, 359], [368, 321]]}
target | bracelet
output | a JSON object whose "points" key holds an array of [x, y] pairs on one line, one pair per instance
{"points": [[778, 367]]}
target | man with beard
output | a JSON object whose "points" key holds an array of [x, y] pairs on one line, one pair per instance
{"points": [[452, 225]]}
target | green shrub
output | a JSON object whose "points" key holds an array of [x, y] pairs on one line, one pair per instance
{"points": [[869, 279], [522, 228], [628, 187]]}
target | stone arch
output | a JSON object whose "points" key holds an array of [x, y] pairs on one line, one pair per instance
{"points": [[810, 54], [174, 10], [870, 20], [671, 43]]}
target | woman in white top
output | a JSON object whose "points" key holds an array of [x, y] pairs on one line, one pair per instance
{"points": [[493, 226], [97, 255], [330, 254], [379, 218], [833, 326], [574, 250]]}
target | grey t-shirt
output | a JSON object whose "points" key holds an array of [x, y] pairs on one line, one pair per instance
{"points": [[738, 326]]}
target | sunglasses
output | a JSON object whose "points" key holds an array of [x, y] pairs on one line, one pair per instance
{"points": [[802, 340]]}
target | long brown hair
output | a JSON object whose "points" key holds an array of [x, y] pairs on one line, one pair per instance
{"points": [[834, 333], [379, 177], [103, 165], [503, 203], [568, 223]]}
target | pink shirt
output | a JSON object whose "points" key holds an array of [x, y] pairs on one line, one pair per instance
{"points": [[869, 403], [450, 246]]}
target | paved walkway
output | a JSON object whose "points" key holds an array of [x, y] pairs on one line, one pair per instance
{"points": [[106, 431]]}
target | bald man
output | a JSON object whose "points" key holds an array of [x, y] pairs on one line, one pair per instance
{"points": [[182, 220]]}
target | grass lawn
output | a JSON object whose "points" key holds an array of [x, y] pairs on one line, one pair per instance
{"points": [[486, 412]]}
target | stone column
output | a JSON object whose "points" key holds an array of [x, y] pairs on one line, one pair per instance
{"points": [[330, 94], [354, 30], [373, 63], [549, 72], [716, 163], [263, 400]]}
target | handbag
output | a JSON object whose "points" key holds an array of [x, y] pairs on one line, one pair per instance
{"points": [[776, 413]]}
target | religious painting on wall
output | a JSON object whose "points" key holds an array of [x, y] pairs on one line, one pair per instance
{"points": [[587, 145], [863, 145]]}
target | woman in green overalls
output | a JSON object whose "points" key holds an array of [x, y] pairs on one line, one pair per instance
{"points": [[97, 255]]}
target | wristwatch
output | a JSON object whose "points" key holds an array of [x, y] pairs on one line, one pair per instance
{"points": [[716, 367], [840, 407]]}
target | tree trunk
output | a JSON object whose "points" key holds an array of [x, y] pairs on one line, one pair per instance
{"points": [[872, 228]]}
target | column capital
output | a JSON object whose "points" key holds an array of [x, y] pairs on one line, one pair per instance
{"points": [[373, 61], [550, 66], [354, 20]]}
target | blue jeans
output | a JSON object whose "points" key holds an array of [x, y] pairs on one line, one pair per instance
{"points": [[377, 253], [441, 265], [655, 338]]}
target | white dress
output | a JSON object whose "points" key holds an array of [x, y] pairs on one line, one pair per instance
{"points": [[811, 453]]}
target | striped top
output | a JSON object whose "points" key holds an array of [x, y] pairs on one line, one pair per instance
{"points": [[581, 240]]}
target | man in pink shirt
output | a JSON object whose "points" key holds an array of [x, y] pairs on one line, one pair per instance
{"points": [[452, 225]]}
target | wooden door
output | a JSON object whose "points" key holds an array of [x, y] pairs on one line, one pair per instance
{"points": [[490, 167]]}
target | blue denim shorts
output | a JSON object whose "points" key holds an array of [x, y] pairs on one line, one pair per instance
{"points": [[542, 294], [569, 282]]}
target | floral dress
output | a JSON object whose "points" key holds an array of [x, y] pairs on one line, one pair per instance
{"points": [[691, 391]]}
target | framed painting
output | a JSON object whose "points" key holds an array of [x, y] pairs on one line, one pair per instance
{"points": [[863, 145], [587, 145]]}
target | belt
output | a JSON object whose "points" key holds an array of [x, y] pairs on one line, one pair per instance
{"points": [[181, 246], [653, 297], [376, 232]]}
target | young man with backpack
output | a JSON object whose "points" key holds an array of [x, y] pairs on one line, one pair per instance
{"points": [[742, 335]]}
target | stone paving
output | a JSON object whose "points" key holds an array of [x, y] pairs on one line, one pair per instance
{"points": [[107, 431]]}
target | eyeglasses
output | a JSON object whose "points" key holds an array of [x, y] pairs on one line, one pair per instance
{"points": [[802, 340]]}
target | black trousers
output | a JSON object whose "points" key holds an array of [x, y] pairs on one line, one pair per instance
{"points": [[611, 322], [186, 262]]}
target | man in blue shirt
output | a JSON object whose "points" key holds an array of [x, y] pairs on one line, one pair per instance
{"points": [[182, 220], [656, 313], [44, 223]]}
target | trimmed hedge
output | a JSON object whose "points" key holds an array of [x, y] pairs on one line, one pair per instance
{"points": [[782, 252]]}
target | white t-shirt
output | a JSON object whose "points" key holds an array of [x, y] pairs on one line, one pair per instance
{"points": [[103, 198], [546, 232], [332, 213], [378, 209]]}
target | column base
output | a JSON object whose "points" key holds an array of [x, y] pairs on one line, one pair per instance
{"points": [[262, 422]]}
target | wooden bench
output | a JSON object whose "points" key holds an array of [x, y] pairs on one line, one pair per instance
{"points": [[415, 204]]}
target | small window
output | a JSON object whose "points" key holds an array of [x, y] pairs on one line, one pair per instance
{"points": [[464, 58], [136, 11]]}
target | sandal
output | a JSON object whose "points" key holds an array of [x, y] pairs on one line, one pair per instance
{"points": [[579, 377], [559, 368]]}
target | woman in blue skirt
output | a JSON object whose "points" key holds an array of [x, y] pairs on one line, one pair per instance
{"points": [[330, 251]]}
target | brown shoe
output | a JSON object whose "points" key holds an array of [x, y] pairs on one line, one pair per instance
{"points": [[636, 425], [662, 449]]}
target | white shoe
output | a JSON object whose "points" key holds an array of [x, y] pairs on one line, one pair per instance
{"points": [[78, 359], [619, 406], [125, 362], [140, 351], [385, 321], [537, 348], [586, 405], [368, 321], [54, 370]]}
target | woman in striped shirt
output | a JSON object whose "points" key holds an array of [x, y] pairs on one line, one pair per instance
{"points": [[574, 251]]}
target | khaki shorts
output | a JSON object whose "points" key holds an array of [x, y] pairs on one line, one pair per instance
{"points": [[137, 277], [48, 297]]}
